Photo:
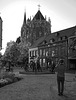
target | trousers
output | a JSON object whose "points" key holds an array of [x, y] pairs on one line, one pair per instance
{"points": [[60, 82]]}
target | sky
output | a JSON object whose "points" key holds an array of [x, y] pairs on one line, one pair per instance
{"points": [[61, 12]]}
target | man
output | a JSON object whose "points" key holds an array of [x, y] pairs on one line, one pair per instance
{"points": [[60, 76], [53, 66]]}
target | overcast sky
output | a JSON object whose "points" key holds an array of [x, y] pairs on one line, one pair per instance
{"points": [[61, 12]]}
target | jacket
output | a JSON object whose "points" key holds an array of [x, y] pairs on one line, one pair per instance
{"points": [[61, 70]]}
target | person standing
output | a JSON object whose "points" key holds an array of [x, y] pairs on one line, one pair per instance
{"points": [[60, 76], [53, 66]]}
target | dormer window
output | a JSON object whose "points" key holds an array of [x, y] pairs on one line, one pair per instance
{"points": [[52, 40], [44, 42], [65, 37], [57, 34], [60, 38]]}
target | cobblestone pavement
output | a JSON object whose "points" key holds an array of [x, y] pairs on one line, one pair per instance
{"points": [[39, 87]]}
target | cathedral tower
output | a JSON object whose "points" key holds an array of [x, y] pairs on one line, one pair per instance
{"points": [[35, 28]]}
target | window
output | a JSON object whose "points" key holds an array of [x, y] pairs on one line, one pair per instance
{"points": [[62, 50], [57, 34], [36, 53], [44, 42], [43, 52], [40, 61], [56, 51], [43, 61], [49, 51], [65, 37], [40, 52], [46, 53], [52, 40], [53, 53], [30, 53], [60, 38]]}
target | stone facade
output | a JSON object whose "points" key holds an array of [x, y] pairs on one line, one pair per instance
{"points": [[35, 28], [47, 46]]}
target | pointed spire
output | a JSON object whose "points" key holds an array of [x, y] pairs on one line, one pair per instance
{"points": [[25, 16]]}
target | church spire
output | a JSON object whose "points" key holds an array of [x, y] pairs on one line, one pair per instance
{"points": [[25, 16]]}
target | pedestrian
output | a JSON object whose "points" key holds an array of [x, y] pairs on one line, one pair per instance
{"points": [[38, 66], [53, 66], [60, 76]]}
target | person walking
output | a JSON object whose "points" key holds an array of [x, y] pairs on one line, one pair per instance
{"points": [[60, 76]]}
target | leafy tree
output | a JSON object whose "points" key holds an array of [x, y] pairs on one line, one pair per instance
{"points": [[12, 53]]}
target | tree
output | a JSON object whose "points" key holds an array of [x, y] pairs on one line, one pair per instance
{"points": [[12, 52]]}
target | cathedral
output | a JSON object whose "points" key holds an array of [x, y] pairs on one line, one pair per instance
{"points": [[33, 29], [47, 46]]}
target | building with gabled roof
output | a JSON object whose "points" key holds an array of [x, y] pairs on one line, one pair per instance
{"points": [[55, 46], [47, 46]]}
